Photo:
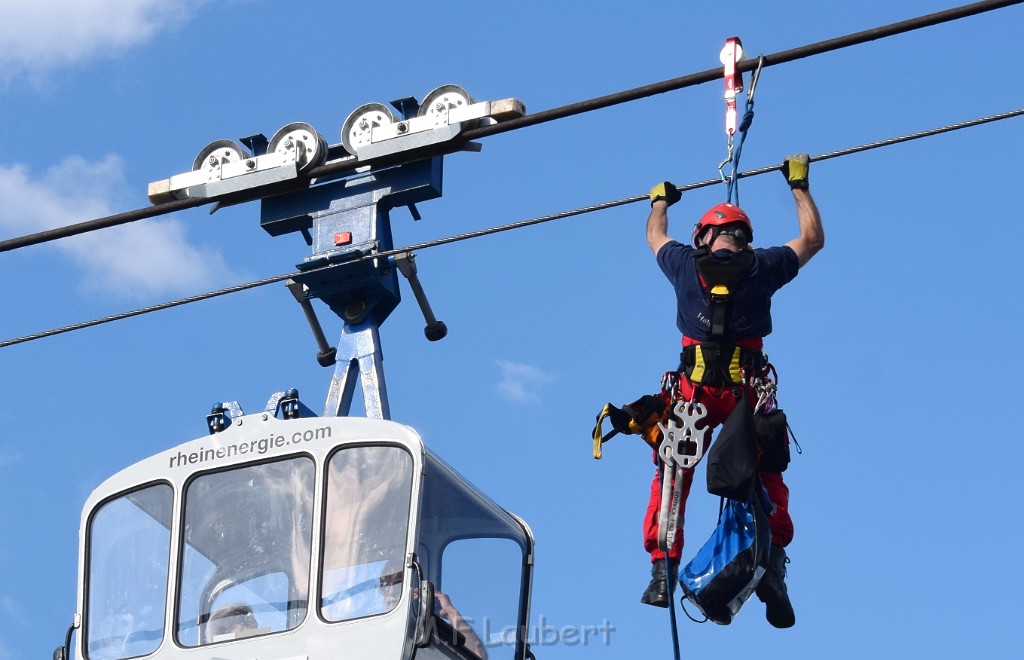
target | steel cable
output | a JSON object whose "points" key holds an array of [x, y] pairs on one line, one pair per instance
{"points": [[338, 168], [508, 227]]}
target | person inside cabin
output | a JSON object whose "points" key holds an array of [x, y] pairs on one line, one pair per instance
{"points": [[235, 620], [390, 590]]}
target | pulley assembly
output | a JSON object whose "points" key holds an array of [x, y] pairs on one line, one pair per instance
{"points": [[371, 131]]}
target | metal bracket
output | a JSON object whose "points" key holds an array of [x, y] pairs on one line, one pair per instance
{"points": [[435, 330], [359, 355], [222, 414], [286, 405], [326, 355], [349, 223], [421, 131]]}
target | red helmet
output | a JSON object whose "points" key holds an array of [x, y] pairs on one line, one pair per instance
{"points": [[723, 214]]}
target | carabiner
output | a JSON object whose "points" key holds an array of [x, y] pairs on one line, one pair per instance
{"points": [[728, 159], [753, 80]]}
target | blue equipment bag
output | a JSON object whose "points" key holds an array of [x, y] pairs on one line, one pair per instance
{"points": [[724, 573]]}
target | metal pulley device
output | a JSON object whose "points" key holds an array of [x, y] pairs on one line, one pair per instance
{"points": [[684, 437], [731, 56], [345, 218]]}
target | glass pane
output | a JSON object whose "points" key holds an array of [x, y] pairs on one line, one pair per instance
{"points": [[129, 553], [247, 546], [367, 521], [232, 615], [482, 581]]}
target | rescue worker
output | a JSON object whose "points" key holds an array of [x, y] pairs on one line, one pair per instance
{"points": [[716, 331]]}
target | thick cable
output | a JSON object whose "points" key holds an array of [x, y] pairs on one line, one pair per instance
{"points": [[782, 57], [510, 226], [343, 166]]}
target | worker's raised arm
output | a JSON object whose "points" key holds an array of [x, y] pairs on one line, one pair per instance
{"points": [[812, 235], [663, 196]]}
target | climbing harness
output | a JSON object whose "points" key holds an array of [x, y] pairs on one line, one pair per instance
{"points": [[730, 57], [720, 365], [720, 278]]}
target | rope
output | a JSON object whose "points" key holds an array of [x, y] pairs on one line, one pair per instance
{"points": [[670, 581], [732, 188], [346, 165], [510, 226]]}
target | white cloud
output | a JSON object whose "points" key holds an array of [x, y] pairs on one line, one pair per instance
{"points": [[521, 383], [7, 457], [136, 261], [39, 36], [11, 612]]}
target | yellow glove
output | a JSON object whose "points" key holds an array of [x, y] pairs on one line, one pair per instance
{"points": [[667, 192], [794, 168]]}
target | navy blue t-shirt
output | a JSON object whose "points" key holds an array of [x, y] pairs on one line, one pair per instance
{"points": [[751, 309]]}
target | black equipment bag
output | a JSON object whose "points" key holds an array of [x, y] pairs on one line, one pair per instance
{"points": [[732, 459], [773, 437]]}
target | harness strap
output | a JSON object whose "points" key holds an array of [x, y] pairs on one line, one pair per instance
{"points": [[718, 365], [718, 297], [720, 279]]}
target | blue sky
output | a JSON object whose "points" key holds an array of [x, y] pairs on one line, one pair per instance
{"points": [[895, 345]]}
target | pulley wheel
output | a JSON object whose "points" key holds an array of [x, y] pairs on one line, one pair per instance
{"points": [[309, 146], [440, 101], [217, 154], [356, 131]]}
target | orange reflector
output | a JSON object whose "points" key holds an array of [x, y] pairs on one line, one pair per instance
{"points": [[343, 238]]}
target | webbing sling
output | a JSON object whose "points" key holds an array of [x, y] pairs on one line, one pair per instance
{"points": [[638, 418]]}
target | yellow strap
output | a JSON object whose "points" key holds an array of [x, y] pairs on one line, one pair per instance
{"points": [[697, 375], [598, 436], [735, 368]]}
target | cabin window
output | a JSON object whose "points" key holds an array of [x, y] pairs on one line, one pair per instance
{"points": [[482, 578], [129, 553], [246, 556], [366, 526]]}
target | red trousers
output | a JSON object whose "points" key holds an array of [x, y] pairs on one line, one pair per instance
{"points": [[719, 402]]}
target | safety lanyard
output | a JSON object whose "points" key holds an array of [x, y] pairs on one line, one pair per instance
{"points": [[731, 56]]}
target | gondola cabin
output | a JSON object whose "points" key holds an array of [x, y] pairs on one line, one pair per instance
{"points": [[313, 538]]}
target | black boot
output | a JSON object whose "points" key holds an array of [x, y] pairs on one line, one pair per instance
{"points": [[772, 590], [656, 593]]}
